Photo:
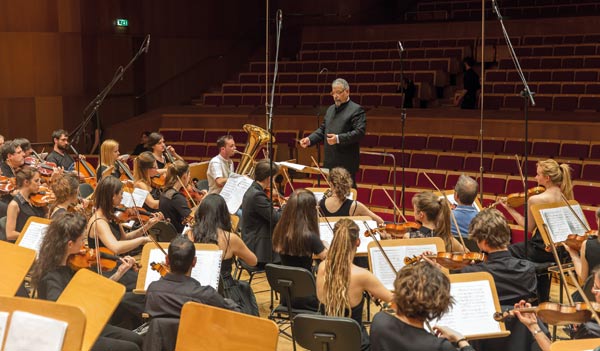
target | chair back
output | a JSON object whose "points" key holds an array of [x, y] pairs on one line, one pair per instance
{"points": [[85, 190], [293, 281], [317, 332], [163, 232], [223, 330]]}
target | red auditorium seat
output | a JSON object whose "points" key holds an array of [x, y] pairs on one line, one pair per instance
{"points": [[410, 175], [171, 135], [438, 177], [450, 161], [439, 142], [371, 160], [591, 171], [514, 184], [379, 199], [413, 141], [595, 150], [212, 135], [473, 162], [494, 184], [452, 178], [589, 103], [587, 193], [178, 146], [505, 165], [546, 148], [516, 146], [575, 149], [590, 216], [363, 193], [378, 176], [465, 143], [196, 135], [195, 149], [423, 159]]}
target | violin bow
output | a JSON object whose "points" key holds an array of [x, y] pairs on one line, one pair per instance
{"points": [[322, 174], [137, 214], [557, 259], [287, 178], [372, 234], [393, 203], [187, 192], [583, 224], [462, 241], [520, 168], [585, 298]]}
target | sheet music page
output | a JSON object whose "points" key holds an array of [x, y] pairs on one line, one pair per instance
{"points": [[290, 165], [32, 238], [561, 222], [3, 322], [208, 267], [381, 268], [29, 331], [234, 190], [327, 234], [206, 271], [473, 310]]}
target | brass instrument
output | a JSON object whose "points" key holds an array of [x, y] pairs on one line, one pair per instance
{"points": [[257, 139]]}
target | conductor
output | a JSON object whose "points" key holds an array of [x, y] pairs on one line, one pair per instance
{"points": [[344, 126]]}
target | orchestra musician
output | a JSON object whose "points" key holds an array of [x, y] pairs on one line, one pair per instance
{"points": [[13, 158], [421, 293], [338, 204], [25, 146], [59, 154], [21, 208], [258, 214], [173, 203], [212, 225], [343, 127], [588, 256], [433, 213], [156, 143], [141, 147], [557, 181], [221, 165], [297, 240], [144, 169], [51, 274], [341, 284], [465, 193], [65, 189], [109, 150]]}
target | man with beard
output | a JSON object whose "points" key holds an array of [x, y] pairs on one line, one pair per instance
{"points": [[59, 154]]}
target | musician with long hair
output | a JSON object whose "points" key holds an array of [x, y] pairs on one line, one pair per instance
{"points": [[109, 151], [144, 169], [212, 225], [433, 213], [341, 284], [557, 181], [156, 143], [338, 204], [173, 203], [51, 274], [21, 208], [421, 294], [66, 191], [296, 238]]}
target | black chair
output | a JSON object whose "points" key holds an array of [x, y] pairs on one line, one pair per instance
{"points": [[290, 283], [3, 228], [162, 334], [323, 333], [85, 190], [163, 232]]}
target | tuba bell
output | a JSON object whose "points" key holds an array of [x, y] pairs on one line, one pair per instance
{"points": [[257, 139]]}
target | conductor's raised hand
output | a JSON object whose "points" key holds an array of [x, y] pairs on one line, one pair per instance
{"points": [[304, 142]]}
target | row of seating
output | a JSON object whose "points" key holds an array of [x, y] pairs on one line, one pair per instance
{"points": [[324, 88], [553, 62], [560, 10], [447, 64], [544, 88], [374, 45], [546, 102], [543, 75], [475, 4], [382, 54]]}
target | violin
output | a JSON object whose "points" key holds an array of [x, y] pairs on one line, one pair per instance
{"points": [[124, 215], [278, 199], [43, 197], [158, 181], [125, 171], [397, 230], [574, 241], [86, 258], [45, 168], [450, 260], [555, 313], [160, 267], [7, 185], [518, 199]]}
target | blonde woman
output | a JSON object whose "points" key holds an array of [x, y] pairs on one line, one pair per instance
{"points": [[109, 154]]}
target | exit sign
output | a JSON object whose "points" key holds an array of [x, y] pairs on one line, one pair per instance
{"points": [[122, 22]]}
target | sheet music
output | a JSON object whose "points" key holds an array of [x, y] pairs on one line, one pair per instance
{"points": [[381, 268], [135, 198], [473, 310], [3, 322], [291, 165], [29, 331], [234, 190], [327, 234], [561, 222], [34, 235], [206, 271]]}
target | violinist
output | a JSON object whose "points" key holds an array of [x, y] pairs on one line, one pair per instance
{"points": [[212, 225], [586, 330], [588, 256], [421, 294], [13, 158], [341, 284], [110, 154], [296, 238], [434, 215], [221, 165], [173, 204], [21, 208], [338, 204], [465, 193], [65, 189], [258, 214], [51, 274], [156, 143], [144, 169], [557, 180], [515, 278], [25, 146]]}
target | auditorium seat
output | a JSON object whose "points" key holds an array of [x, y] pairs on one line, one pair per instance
{"points": [[363, 193], [375, 175], [514, 184], [439, 142], [587, 193], [494, 184], [437, 176], [464, 143], [516, 146], [505, 165], [190, 134], [450, 161], [595, 150], [371, 160], [195, 149], [171, 134], [591, 171], [211, 136], [473, 162], [546, 148], [379, 199], [410, 176], [423, 159]]}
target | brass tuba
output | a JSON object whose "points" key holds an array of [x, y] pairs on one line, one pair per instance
{"points": [[257, 139]]}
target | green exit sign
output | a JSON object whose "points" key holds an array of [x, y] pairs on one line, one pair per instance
{"points": [[122, 22]]}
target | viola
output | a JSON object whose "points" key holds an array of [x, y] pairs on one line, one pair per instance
{"points": [[124, 215], [397, 230], [43, 197], [86, 258], [160, 267], [518, 199], [192, 195], [555, 313], [450, 260], [7, 185]]}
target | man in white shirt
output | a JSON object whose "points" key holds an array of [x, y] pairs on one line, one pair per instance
{"points": [[221, 165]]}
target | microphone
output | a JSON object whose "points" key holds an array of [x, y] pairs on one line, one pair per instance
{"points": [[495, 8], [147, 44], [400, 47], [279, 17], [323, 70]]}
